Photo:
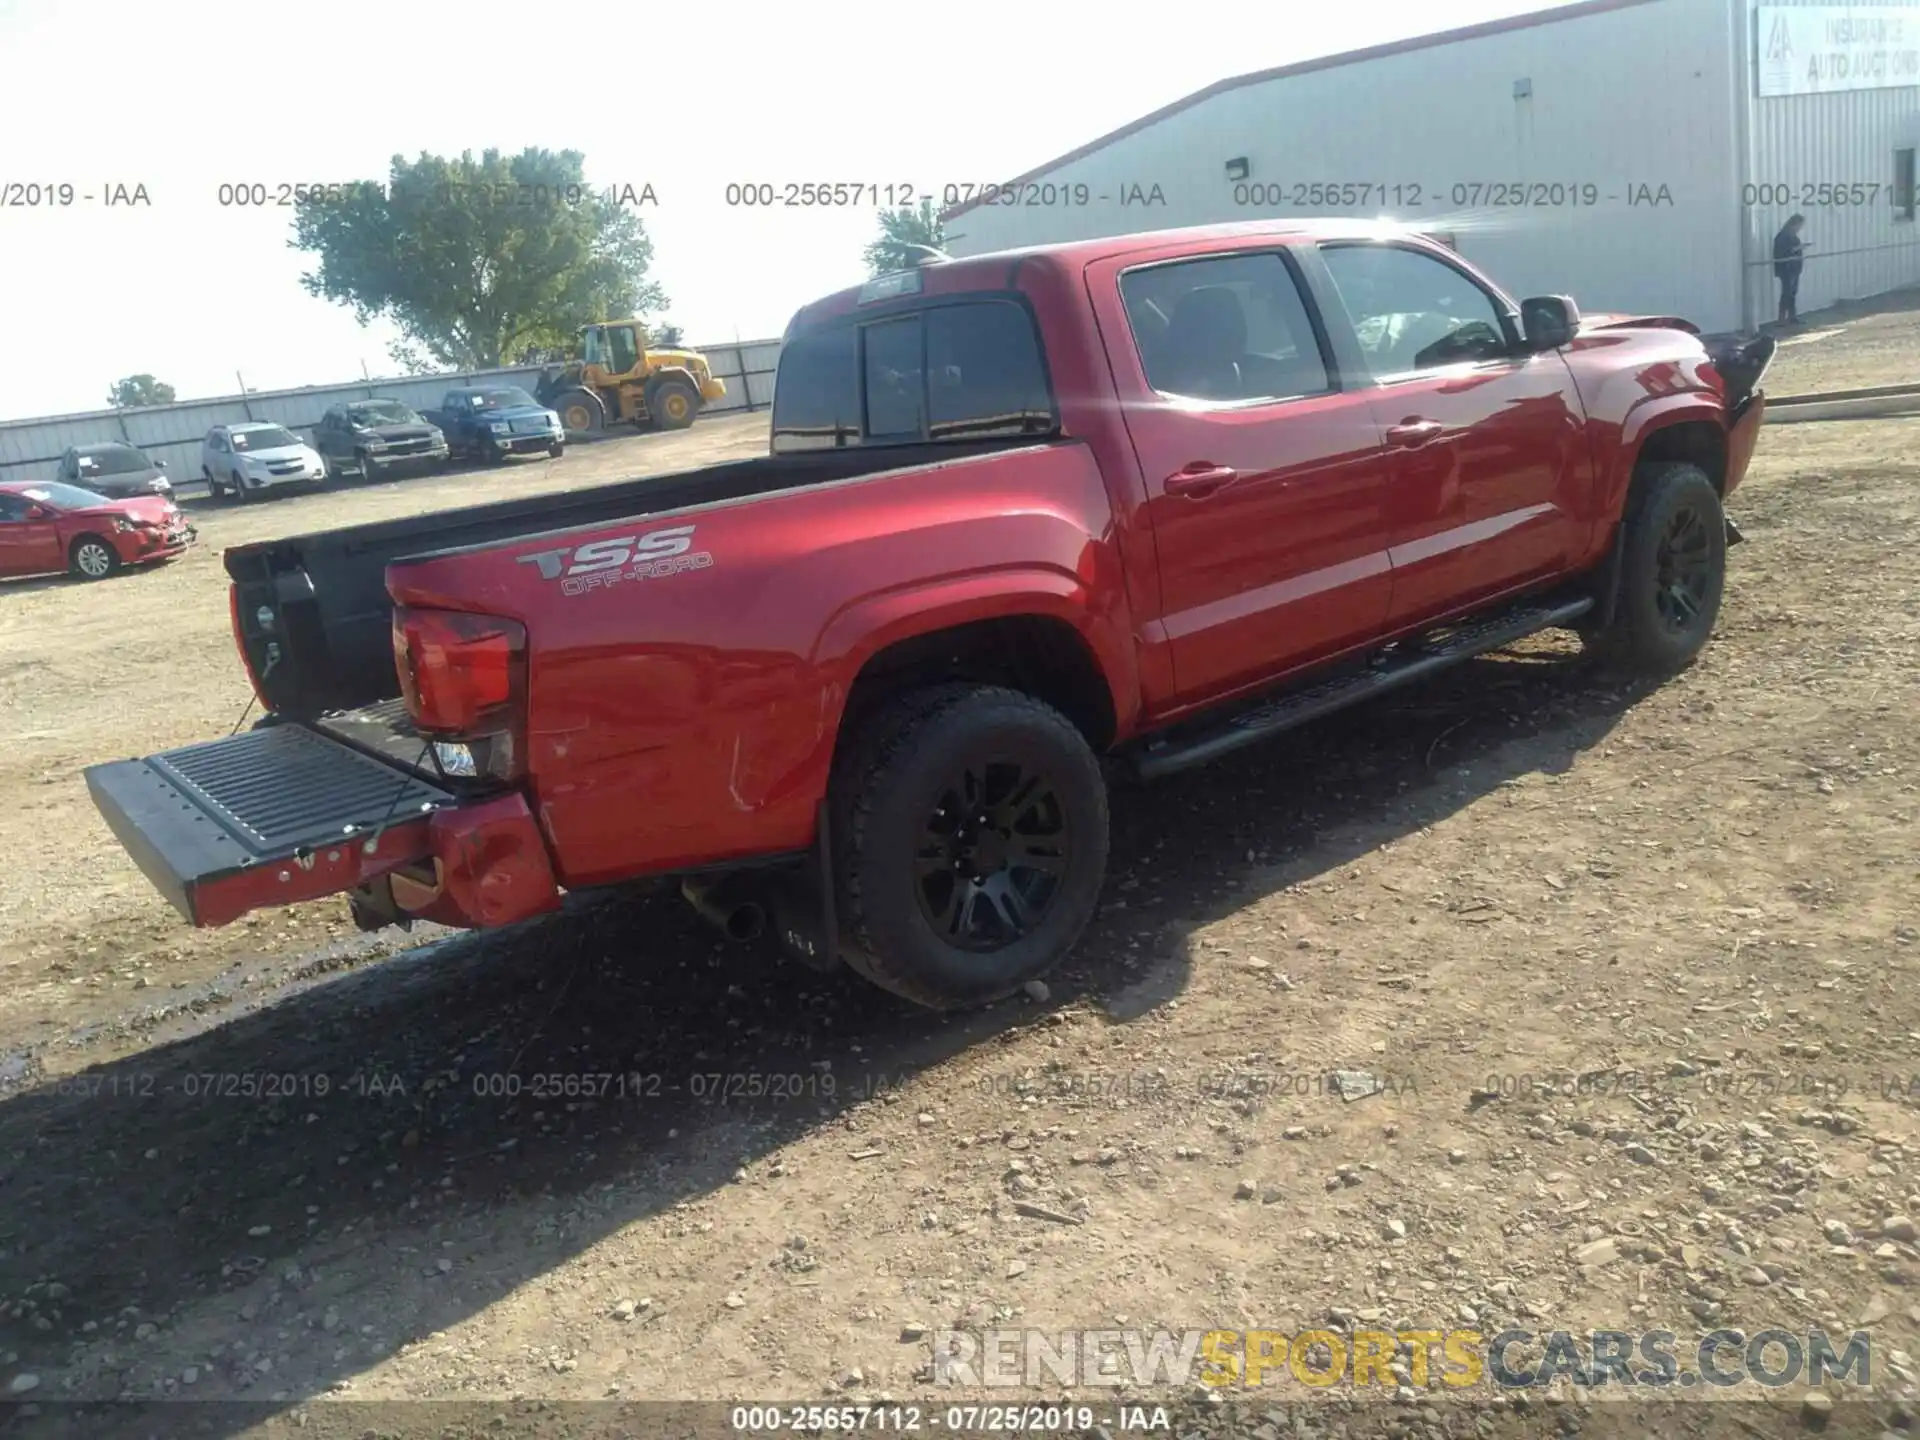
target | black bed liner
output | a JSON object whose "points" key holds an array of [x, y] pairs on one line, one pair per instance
{"points": [[325, 593]]}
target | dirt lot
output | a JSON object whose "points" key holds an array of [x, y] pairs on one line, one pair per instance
{"points": [[1496, 897], [146, 660]]}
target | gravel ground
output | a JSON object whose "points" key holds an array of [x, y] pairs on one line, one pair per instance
{"points": [[1632, 971]]}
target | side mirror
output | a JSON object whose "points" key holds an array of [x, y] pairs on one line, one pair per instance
{"points": [[36, 512], [1549, 321], [159, 464]]}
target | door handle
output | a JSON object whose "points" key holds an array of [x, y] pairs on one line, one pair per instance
{"points": [[1411, 432], [1201, 479]]}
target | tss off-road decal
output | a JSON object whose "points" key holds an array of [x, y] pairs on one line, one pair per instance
{"points": [[604, 563]]}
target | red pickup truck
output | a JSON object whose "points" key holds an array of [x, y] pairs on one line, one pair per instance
{"points": [[1127, 502]]}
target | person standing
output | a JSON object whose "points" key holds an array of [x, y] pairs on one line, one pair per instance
{"points": [[1789, 251]]}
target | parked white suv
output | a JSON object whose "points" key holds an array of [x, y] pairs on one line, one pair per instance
{"points": [[242, 460]]}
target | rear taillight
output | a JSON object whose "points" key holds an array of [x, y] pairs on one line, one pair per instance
{"points": [[463, 678]]}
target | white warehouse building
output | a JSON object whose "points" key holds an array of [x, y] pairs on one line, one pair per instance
{"points": [[1637, 154]]}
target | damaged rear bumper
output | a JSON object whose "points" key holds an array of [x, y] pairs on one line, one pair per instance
{"points": [[282, 814]]}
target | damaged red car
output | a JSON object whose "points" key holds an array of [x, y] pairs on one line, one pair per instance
{"points": [[48, 527]]}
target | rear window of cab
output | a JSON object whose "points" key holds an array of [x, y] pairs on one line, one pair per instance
{"points": [[959, 370]]}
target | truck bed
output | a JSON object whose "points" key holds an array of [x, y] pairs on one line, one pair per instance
{"points": [[313, 614]]}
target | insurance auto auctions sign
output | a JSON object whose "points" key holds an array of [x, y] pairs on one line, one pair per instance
{"points": [[1813, 49]]}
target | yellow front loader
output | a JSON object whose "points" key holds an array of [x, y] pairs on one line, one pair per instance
{"points": [[618, 380]]}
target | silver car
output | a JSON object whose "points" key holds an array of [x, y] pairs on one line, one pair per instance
{"points": [[243, 460]]}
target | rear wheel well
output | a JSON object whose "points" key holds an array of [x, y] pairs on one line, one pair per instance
{"points": [[1695, 442], [1035, 654]]}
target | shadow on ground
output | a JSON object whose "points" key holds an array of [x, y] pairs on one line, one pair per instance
{"points": [[158, 1183]]}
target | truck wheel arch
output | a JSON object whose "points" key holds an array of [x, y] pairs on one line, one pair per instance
{"points": [[1679, 428], [1039, 643], [1692, 441]]}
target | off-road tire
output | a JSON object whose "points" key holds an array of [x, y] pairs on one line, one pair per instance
{"points": [[1673, 572], [887, 783], [590, 411], [92, 558], [673, 404]]}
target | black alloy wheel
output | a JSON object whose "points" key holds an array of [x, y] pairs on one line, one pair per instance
{"points": [[1673, 571], [994, 852], [1683, 569], [969, 837]]}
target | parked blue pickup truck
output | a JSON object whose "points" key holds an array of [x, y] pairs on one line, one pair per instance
{"points": [[491, 422]]}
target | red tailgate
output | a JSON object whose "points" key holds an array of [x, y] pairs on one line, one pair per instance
{"points": [[269, 817]]}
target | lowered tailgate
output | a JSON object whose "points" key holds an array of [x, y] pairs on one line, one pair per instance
{"points": [[269, 817]]}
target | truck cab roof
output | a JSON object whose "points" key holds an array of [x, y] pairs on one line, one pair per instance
{"points": [[999, 269]]}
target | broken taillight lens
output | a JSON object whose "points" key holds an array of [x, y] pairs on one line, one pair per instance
{"points": [[463, 678]]}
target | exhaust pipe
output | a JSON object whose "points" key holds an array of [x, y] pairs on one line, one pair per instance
{"points": [[739, 917]]}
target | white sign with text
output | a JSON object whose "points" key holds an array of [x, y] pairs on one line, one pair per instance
{"points": [[1812, 50]]}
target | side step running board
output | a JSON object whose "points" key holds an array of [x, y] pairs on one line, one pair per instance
{"points": [[1179, 751]]}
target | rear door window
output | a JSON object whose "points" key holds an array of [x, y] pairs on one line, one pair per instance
{"points": [[968, 370], [816, 394]]}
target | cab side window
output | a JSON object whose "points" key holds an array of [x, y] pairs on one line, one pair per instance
{"points": [[1414, 313]]}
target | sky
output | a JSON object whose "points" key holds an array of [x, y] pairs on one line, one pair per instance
{"points": [[182, 98]]}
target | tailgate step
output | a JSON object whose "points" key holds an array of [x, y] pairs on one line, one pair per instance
{"points": [[207, 812], [1179, 750]]}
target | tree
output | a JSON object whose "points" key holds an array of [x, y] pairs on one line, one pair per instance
{"points": [[473, 260], [899, 229], [138, 390], [666, 335]]}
